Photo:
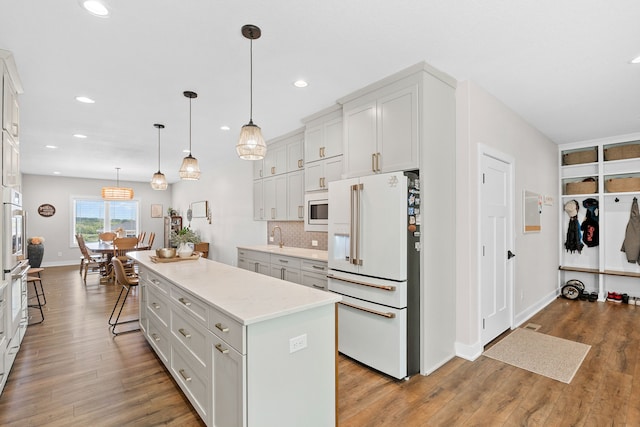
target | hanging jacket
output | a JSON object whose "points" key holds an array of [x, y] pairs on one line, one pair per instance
{"points": [[631, 244], [590, 228], [573, 242]]}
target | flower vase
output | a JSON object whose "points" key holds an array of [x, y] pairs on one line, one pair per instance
{"points": [[35, 254], [185, 250]]}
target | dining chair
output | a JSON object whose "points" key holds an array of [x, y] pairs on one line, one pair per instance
{"points": [[121, 246], [141, 237], [152, 237], [91, 262], [107, 236], [127, 281]]}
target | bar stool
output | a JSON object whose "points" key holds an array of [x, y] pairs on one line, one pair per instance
{"points": [[127, 281], [33, 276]]}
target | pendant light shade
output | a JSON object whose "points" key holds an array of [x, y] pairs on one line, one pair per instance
{"points": [[159, 182], [117, 192], [251, 145], [190, 170]]}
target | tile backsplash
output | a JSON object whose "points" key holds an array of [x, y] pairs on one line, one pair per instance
{"points": [[293, 234]]}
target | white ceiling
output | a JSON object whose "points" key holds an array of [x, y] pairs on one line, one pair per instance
{"points": [[562, 65]]}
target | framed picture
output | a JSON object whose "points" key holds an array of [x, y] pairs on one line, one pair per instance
{"points": [[156, 211]]}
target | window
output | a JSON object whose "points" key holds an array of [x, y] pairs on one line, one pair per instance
{"points": [[93, 216]]}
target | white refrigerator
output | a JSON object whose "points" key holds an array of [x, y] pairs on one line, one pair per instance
{"points": [[374, 243]]}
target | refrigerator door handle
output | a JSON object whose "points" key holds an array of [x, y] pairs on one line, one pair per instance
{"points": [[355, 282], [358, 260], [368, 310], [352, 240]]}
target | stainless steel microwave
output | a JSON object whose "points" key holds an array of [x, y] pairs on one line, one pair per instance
{"points": [[316, 211]]}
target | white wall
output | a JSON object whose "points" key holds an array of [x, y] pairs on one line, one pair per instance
{"points": [[58, 191], [228, 187], [482, 119]]}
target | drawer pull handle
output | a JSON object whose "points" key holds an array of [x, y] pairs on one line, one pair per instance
{"points": [[221, 327], [184, 375], [155, 305], [185, 302], [155, 337], [221, 350], [367, 310], [155, 281], [184, 333], [284, 261], [318, 286], [318, 267]]}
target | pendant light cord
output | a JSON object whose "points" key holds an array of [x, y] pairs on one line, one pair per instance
{"points": [[251, 81], [190, 126], [158, 148]]}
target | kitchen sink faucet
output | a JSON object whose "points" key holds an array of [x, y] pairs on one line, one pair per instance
{"points": [[273, 232]]}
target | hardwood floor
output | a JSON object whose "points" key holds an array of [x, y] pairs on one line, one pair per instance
{"points": [[71, 372]]}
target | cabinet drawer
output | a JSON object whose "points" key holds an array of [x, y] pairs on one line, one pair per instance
{"points": [[158, 305], [314, 280], [192, 378], [254, 255], [190, 303], [192, 335], [159, 340], [227, 329], [314, 266], [285, 261], [155, 280]]}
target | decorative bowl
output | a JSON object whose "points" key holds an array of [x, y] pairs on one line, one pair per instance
{"points": [[166, 252]]}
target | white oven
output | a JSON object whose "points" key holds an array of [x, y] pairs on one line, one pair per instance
{"points": [[316, 211]]}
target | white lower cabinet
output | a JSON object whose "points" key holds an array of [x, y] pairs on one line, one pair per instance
{"points": [[286, 268], [258, 262], [229, 370]]}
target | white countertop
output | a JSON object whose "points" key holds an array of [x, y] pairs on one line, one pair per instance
{"points": [[312, 254], [246, 296]]}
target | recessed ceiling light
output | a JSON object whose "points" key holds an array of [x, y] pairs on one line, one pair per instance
{"points": [[95, 7], [636, 60], [85, 100], [300, 83], [56, 173], [225, 128], [79, 135], [52, 147]]}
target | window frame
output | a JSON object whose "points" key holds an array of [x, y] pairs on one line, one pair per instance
{"points": [[107, 214]]}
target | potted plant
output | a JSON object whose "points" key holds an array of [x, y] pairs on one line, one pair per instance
{"points": [[184, 240]]}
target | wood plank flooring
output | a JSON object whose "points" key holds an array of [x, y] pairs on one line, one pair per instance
{"points": [[71, 372]]}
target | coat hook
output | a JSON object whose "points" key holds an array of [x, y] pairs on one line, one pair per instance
{"points": [[616, 200]]}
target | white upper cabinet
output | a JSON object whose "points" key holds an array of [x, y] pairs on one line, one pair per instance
{"points": [[318, 175], [275, 162], [258, 166], [11, 87], [323, 134], [381, 131], [295, 196]]}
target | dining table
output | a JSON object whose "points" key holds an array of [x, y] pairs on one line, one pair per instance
{"points": [[106, 249]]}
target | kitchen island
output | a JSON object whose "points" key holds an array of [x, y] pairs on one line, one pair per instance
{"points": [[246, 349]]}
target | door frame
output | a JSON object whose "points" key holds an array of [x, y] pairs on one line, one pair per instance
{"points": [[484, 150]]}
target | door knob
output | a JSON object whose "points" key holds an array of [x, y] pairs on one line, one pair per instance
{"points": [[510, 254]]}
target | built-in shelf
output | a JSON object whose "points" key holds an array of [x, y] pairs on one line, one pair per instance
{"points": [[596, 271]]}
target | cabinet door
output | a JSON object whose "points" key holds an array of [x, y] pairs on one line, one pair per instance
{"points": [[312, 143], [229, 371], [295, 196], [360, 140], [313, 174], [398, 131], [292, 275], [332, 170], [275, 197], [275, 162], [10, 110], [258, 200], [332, 137], [10, 161], [258, 169], [295, 158]]}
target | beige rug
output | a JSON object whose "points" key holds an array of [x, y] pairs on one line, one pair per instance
{"points": [[542, 354]]}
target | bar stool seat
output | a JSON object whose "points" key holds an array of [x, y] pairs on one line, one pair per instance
{"points": [[33, 276]]}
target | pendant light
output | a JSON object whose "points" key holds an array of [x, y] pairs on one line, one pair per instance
{"points": [[117, 192], [159, 182], [190, 169], [251, 145]]}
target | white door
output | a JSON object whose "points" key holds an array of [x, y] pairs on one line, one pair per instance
{"points": [[496, 240]]}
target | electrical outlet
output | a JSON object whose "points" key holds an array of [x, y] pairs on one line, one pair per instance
{"points": [[297, 343], [59, 253], [271, 238], [314, 243]]}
